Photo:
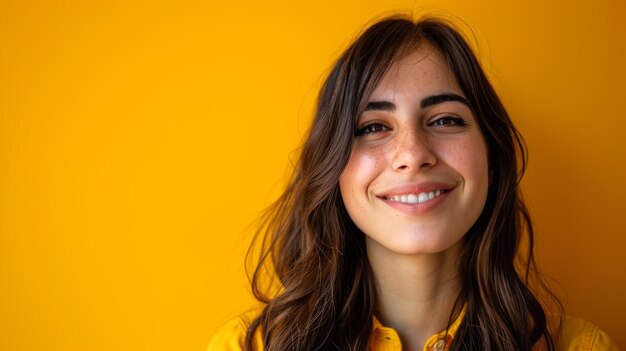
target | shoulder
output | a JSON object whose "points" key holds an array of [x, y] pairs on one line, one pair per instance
{"points": [[578, 334], [232, 335]]}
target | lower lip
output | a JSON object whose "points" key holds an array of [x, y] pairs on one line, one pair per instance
{"points": [[421, 207]]}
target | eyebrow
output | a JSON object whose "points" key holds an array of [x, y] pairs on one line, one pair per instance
{"points": [[380, 106], [439, 98], [388, 106]]}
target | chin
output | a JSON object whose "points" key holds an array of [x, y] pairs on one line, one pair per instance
{"points": [[418, 245]]}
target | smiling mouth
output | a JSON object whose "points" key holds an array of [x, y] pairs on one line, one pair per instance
{"points": [[415, 198]]}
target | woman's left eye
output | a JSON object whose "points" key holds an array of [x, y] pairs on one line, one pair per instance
{"points": [[448, 121]]}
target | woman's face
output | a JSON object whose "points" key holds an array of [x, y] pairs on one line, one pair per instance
{"points": [[417, 178]]}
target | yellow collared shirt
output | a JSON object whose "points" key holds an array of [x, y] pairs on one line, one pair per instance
{"points": [[576, 335], [387, 339]]}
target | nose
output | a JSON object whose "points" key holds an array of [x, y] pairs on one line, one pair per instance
{"points": [[412, 152]]}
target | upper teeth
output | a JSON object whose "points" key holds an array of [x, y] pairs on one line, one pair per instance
{"points": [[415, 198]]}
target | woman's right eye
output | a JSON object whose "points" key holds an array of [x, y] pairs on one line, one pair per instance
{"points": [[371, 128]]}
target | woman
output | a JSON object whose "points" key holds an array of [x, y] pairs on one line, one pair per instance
{"points": [[402, 224]]}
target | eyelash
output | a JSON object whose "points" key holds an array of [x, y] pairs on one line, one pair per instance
{"points": [[445, 121], [449, 121], [379, 127]]}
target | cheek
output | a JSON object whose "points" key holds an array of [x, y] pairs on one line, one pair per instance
{"points": [[361, 170], [469, 159], [478, 159], [475, 164]]}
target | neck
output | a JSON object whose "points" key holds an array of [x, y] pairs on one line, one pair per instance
{"points": [[415, 293]]}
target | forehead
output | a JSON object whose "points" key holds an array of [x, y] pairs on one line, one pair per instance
{"points": [[423, 71]]}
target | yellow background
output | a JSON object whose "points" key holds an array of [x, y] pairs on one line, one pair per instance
{"points": [[140, 139]]}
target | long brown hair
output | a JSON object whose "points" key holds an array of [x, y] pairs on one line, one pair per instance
{"points": [[324, 296]]}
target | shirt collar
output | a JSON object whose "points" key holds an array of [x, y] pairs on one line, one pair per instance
{"points": [[439, 341]]}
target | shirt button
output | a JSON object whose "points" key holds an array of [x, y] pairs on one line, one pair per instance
{"points": [[439, 345]]}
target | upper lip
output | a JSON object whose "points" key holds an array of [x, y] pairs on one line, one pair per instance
{"points": [[416, 188]]}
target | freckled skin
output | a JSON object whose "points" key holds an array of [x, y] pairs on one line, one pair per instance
{"points": [[412, 150]]}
